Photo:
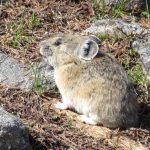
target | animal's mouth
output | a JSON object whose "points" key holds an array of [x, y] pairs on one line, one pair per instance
{"points": [[46, 51]]}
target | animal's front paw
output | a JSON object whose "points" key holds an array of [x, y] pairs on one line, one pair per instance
{"points": [[87, 120], [61, 106]]}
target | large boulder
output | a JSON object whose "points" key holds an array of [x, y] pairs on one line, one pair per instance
{"points": [[13, 135], [14, 74], [116, 27]]}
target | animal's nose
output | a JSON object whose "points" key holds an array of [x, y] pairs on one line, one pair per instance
{"points": [[46, 47]]}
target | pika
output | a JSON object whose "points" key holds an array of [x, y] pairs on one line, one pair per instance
{"points": [[91, 82]]}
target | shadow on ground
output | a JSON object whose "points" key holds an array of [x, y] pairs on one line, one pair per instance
{"points": [[145, 116]]}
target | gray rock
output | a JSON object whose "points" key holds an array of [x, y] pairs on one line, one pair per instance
{"points": [[17, 75], [47, 75], [14, 74], [115, 27], [142, 46], [119, 28], [134, 6], [131, 28], [104, 26], [13, 135]]}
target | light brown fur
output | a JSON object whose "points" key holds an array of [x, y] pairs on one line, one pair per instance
{"points": [[91, 82]]}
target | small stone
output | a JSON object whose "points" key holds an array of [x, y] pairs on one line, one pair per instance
{"points": [[47, 74], [104, 26], [13, 74]]}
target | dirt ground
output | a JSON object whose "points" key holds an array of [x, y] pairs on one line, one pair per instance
{"points": [[23, 24]]}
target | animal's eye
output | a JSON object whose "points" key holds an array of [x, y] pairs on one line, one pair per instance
{"points": [[58, 42]]}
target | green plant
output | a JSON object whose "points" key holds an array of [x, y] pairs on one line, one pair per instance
{"points": [[99, 8], [132, 53], [34, 21], [19, 33], [38, 86], [136, 74], [118, 10], [140, 80], [103, 36], [96, 8], [101, 11], [130, 61], [147, 12], [134, 68], [18, 37], [103, 8]]}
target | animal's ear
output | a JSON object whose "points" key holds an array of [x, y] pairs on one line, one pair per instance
{"points": [[44, 48], [97, 40], [89, 49]]}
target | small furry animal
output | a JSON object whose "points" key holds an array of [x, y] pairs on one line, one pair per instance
{"points": [[90, 81]]}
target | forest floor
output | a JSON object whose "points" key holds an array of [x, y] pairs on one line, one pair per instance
{"points": [[23, 24]]}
